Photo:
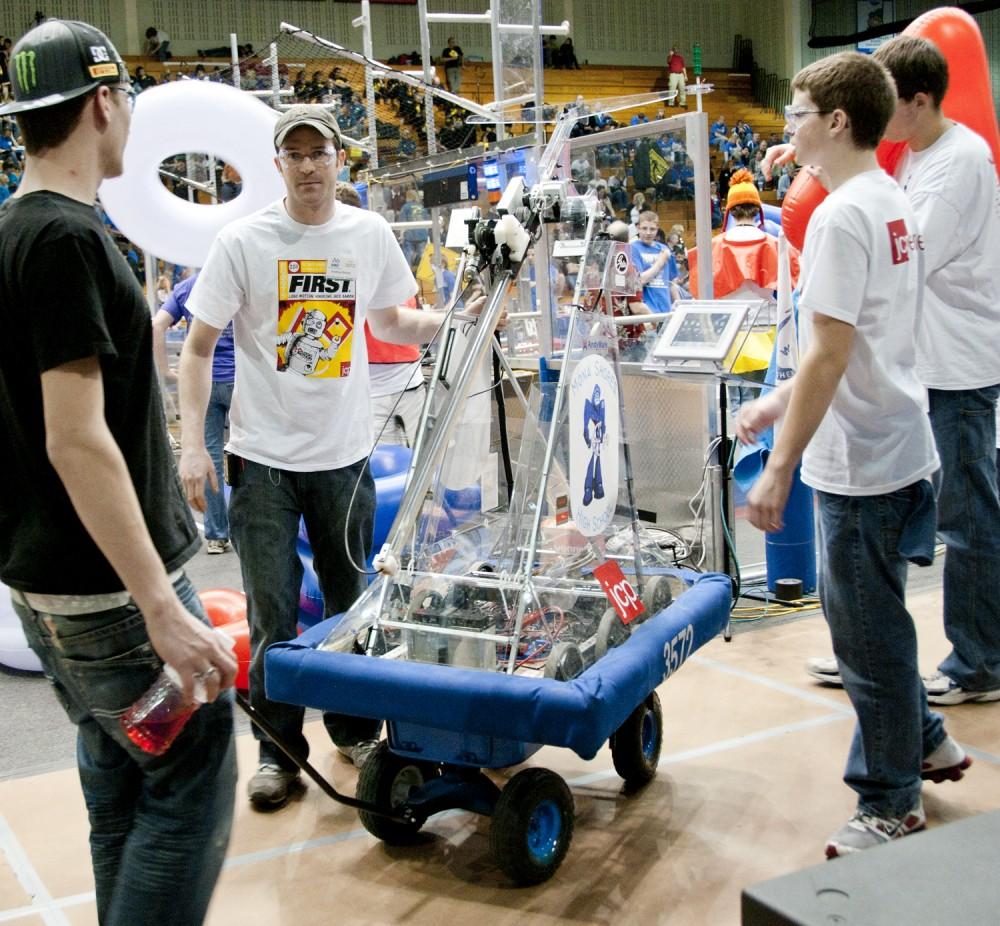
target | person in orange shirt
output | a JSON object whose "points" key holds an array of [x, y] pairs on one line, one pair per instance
{"points": [[745, 256]]}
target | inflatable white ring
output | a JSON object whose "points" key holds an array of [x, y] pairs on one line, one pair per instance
{"points": [[187, 117], [14, 650]]}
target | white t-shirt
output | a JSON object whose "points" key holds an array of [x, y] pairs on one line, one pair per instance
{"points": [[392, 378], [298, 296], [859, 266], [952, 186]]}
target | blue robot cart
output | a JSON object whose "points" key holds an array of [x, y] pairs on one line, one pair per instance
{"points": [[446, 724]]}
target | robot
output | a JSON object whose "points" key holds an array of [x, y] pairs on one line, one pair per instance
{"points": [[304, 349]]}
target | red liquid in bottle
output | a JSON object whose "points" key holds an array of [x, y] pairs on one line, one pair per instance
{"points": [[155, 720], [156, 736]]}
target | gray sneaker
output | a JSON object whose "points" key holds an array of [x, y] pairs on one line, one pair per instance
{"points": [[362, 752], [943, 690], [866, 831], [271, 786]]}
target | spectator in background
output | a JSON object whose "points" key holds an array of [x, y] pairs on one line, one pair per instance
{"points": [[141, 80], [550, 52], [677, 78], [453, 59], [5, 44], [655, 262], [173, 309], [6, 137], [414, 239], [716, 205], [157, 44], [567, 56], [784, 182], [638, 205], [717, 134], [232, 183]]}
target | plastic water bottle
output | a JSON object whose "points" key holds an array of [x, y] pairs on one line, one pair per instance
{"points": [[157, 718]]}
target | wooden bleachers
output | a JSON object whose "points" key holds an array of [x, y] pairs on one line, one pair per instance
{"points": [[730, 98]]}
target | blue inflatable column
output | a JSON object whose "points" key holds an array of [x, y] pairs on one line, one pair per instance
{"points": [[791, 552]]}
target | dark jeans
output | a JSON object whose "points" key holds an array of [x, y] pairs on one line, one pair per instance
{"points": [[862, 586], [159, 825], [964, 427], [264, 517]]}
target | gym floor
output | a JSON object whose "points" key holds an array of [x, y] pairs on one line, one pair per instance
{"points": [[749, 787]]}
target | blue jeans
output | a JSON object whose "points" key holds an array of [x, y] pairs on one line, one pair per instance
{"points": [[862, 586], [216, 514], [264, 514], [159, 825], [969, 524]]}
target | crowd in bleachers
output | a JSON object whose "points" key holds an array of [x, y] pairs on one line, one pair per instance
{"points": [[741, 146]]}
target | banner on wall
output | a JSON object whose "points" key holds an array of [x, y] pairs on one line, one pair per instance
{"points": [[871, 15]]}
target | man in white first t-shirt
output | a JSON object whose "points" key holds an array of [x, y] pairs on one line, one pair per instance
{"points": [[298, 279], [855, 414], [950, 179]]}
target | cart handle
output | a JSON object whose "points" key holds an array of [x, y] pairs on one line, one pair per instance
{"points": [[404, 816]]}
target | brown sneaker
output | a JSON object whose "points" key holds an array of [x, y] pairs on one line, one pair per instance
{"points": [[271, 786]]}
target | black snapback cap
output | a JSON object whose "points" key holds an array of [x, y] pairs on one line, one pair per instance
{"points": [[59, 60]]}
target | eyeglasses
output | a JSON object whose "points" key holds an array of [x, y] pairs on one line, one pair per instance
{"points": [[794, 115], [321, 157], [129, 92]]}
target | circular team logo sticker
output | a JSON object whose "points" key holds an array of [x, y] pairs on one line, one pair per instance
{"points": [[593, 444], [293, 266], [621, 262]]}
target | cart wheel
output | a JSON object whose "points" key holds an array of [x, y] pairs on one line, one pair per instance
{"points": [[387, 780], [635, 745], [564, 662], [657, 595], [611, 632], [532, 826]]}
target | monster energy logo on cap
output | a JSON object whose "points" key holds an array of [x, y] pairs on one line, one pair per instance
{"points": [[27, 77]]}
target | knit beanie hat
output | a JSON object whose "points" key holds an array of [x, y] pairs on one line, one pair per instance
{"points": [[742, 191]]}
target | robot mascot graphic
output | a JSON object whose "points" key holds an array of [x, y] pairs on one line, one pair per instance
{"points": [[594, 433], [304, 349]]}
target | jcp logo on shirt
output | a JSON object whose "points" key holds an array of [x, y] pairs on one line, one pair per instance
{"points": [[902, 242]]}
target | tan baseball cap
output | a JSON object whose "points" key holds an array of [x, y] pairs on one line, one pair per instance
{"points": [[316, 117]]}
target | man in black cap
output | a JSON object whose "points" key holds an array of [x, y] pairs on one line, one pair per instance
{"points": [[298, 279], [94, 529]]}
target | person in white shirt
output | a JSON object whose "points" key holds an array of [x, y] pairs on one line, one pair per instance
{"points": [[855, 414], [950, 180], [298, 280]]}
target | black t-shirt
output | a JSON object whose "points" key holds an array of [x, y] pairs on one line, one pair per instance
{"points": [[66, 293], [452, 56]]}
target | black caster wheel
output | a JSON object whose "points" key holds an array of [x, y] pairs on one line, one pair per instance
{"points": [[387, 780], [532, 826], [564, 662], [656, 595], [611, 632], [635, 745]]}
